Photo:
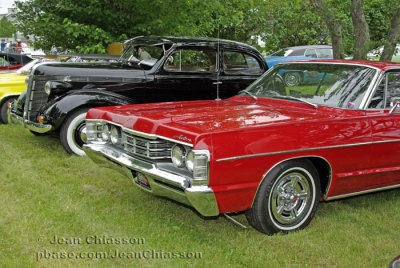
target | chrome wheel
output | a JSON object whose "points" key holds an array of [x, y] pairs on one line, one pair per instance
{"points": [[287, 198], [290, 197], [292, 79]]}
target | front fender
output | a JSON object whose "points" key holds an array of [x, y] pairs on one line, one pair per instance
{"points": [[61, 108]]}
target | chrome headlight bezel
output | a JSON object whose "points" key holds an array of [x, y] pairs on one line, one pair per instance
{"points": [[189, 160], [115, 135], [47, 87], [178, 153]]}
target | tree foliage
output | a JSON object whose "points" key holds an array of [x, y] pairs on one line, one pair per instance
{"points": [[89, 25], [7, 29]]}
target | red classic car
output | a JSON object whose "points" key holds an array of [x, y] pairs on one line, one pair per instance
{"points": [[10, 61], [273, 151]]}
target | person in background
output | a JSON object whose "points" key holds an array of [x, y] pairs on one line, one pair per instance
{"points": [[19, 47], [3, 45]]}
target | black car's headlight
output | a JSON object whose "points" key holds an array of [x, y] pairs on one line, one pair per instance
{"points": [[56, 87]]}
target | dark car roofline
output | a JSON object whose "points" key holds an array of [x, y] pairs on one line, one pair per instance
{"points": [[186, 41]]}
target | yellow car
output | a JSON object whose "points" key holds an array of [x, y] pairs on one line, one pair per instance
{"points": [[11, 86]]}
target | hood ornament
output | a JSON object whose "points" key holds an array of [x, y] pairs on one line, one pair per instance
{"points": [[67, 78]]}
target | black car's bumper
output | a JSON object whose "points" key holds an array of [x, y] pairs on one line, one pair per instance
{"points": [[14, 118]]}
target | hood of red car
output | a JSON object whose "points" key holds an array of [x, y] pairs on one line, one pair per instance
{"points": [[199, 117]]}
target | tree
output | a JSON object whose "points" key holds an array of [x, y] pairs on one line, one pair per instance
{"points": [[369, 23], [334, 26], [392, 38], [89, 25], [7, 29], [361, 30]]}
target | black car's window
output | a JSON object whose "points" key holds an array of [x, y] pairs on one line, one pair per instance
{"points": [[191, 60], [236, 62], [311, 53], [139, 53], [386, 92]]}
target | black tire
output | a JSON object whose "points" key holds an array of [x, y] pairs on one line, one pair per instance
{"points": [[292, 79], [4, 108], [70, 132], [286, 199]]}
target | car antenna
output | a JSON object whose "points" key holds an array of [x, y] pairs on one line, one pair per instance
{"points": [[218, 82]]}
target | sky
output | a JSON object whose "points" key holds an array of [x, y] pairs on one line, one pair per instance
{"points": [[4, 4]]}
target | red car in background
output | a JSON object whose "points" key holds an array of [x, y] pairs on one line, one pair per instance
{"points": [[273, 151], [11, 61]]}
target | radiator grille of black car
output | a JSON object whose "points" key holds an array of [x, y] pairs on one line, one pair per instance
{"points": [[36, 97], [150, 149]]}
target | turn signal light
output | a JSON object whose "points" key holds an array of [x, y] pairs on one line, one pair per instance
{"points": [[40, 119]]}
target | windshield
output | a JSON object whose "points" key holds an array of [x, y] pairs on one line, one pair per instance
{"points": [[137, 53], [334, 85]]}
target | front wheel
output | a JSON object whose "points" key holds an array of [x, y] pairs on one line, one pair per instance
{"points": [[73, 132], [292, 79], [3, 110], [286, 199]]}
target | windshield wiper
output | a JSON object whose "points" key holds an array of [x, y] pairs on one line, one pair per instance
{"points": [[295, 99], [248, 93]]}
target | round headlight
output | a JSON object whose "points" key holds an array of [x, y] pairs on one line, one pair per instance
{"points": [[105, 133], [114, 135], [178, 155], [47, 87], [189, 160]]}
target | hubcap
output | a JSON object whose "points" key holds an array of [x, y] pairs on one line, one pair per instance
{"points": [[292, 79], [80, 135], [290, 197]]}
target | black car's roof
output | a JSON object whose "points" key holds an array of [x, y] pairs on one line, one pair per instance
{"points": [[188, 41]]}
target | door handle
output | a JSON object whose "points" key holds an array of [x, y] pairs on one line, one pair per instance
{"points": [[217, 83]]}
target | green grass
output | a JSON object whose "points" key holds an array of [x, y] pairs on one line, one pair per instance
{"points": [[45, 192]]}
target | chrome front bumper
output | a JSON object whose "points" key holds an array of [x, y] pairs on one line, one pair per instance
{"points": [[16, 119], [162, 183]]}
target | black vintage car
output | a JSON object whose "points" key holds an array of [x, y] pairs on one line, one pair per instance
{"points": [[152, 69]]}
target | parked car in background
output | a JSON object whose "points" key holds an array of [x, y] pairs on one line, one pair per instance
{"points": [[298, 53], [13, 84], [376, 54], [10, 61], [273, 151], [152, 69]]}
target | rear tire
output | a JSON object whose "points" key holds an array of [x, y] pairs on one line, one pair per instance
{"points": [[73, 132], [286, 199], [3, 110]]}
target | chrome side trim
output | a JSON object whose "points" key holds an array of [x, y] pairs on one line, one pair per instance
{"points": [[139, 133], [363, 192], [305, 150]]}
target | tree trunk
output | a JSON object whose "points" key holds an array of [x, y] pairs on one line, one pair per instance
{"points": [[361, 30], [393, 36], [334, 27]]}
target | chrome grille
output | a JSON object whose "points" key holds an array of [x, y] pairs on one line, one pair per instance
{"points": [[150, 149], [36, 97]]}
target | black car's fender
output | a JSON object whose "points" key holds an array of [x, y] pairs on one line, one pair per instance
{"points": [[62, 107]]}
